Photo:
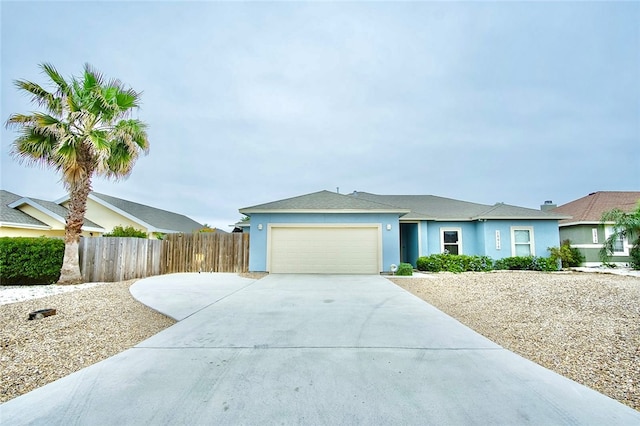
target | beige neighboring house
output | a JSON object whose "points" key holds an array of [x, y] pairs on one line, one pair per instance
{"points": [[29, 217]]}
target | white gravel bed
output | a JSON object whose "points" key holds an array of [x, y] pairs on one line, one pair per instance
{"points": [[92, 322], [583, 326], [20, 293]]}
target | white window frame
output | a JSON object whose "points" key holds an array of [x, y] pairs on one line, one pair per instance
{"points": [[532, 245], [608, 230], [459, 243]]}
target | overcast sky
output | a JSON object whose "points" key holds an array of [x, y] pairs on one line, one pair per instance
{"points": [[251, 102]]}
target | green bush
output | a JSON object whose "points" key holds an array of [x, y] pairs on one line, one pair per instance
{"points": [[454, 263], [129, 231], [25, 261], [568, 256], [635, 255], [405, 269], [527, 263]]}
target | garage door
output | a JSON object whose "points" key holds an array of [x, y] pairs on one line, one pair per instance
{"points": [[307, 249]]}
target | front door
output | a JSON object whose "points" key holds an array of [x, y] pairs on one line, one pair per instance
{"points": [[409, 251]]}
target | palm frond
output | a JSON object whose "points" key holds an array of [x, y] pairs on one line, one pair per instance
{"points": [[56, 77], [39, 95], [34, 148], [15, 120]]}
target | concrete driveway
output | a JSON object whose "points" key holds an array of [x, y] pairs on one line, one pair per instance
{"points": [[309, 349]]}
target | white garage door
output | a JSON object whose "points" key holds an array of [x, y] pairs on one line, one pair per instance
{"points": [[323, 249]]}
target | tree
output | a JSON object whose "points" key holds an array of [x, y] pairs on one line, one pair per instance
{"points": [[625, 225], [85, 129], [128, 231]]}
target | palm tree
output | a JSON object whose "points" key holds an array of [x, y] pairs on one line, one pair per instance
{"points": [[84, 130], [625, 225]]}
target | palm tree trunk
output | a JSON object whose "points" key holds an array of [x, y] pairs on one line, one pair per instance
{"points": [[70, 272]]}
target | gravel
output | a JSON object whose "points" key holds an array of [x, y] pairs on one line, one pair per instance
{"points": [[583, 326], [92, 323]]}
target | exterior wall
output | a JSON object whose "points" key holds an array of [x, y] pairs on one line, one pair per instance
{"points": [[107, 218], [545, 235], [25, 232], [479, 238], [258, 238], [581, 237], [35, 213], [34, 233], [468, 236]]}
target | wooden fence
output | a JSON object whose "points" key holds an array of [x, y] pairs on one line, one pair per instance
{"points": [[206, 252], [107, 259]]}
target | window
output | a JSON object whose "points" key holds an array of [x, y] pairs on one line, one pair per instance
{"points": [[522, 243], [619, 246], [450, 240]]}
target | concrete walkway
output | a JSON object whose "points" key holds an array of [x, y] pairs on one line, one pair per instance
{"points": [[309, 349]]}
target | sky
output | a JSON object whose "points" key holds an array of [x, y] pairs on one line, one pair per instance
{"points": [[252, 102]]}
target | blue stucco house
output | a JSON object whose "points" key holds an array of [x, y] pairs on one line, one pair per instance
{"points": [[363, 233]]}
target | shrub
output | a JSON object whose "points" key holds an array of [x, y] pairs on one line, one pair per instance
{"points": [[454, 263], [405, 269], [568, 256], [635, 255], [129, 231], [25, 261], [527, 263]]}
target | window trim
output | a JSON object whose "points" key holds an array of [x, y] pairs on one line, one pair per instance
{"points": [[608, 230], [459, 243], [532, 245]]}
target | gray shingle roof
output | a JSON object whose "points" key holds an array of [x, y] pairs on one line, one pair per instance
{"points": [[431, 207], [154, 218], [416, 207], [15, 216], [62, 212], [51, 209], [324, 201]]}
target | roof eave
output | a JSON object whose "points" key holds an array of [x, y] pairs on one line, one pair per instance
{"points": [[93, 229], [24, 225], [586, 222], [40, 208], [520, 217], [249, 211]]}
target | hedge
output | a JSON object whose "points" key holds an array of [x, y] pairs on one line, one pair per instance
{"points": [[454, 263], [445, 262], [27, 261], [527, 263]]}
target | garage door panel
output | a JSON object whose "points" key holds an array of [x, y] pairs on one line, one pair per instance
{"points": [[340, 249]]}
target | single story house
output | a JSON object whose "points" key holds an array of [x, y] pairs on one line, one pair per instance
{"points": [[587, 233], [30, 217], [327, 232]]}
